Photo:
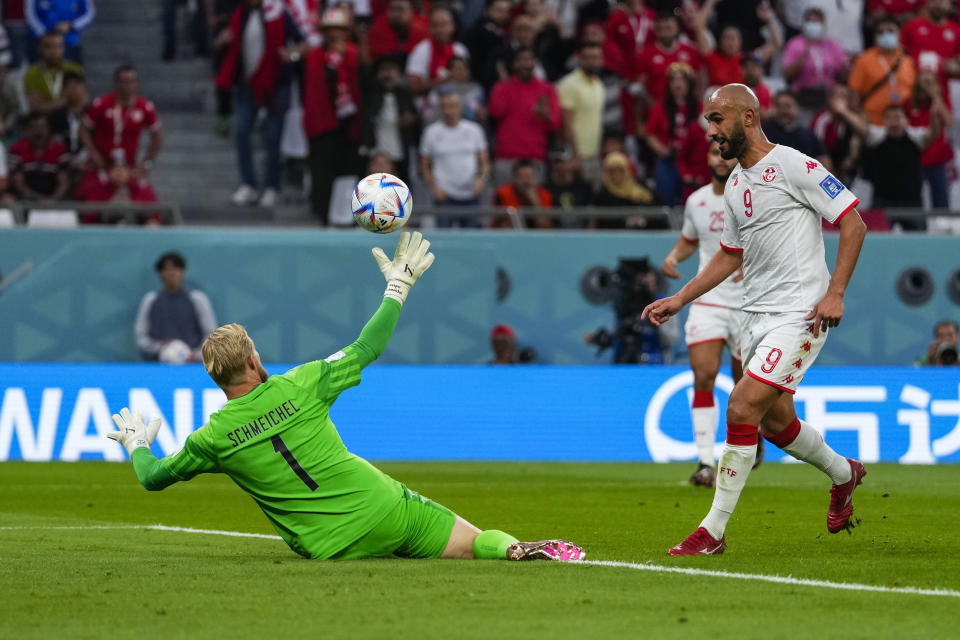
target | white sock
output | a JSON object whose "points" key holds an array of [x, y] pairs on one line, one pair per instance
{"points": [[810, 447], [704, 432], [732, 471]]}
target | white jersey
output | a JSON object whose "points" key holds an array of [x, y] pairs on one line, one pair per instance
{"points": [[703, 223], [772, 214]]}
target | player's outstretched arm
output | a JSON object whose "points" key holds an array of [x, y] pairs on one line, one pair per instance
{"points": [[723, 264], [153, 473], [411, 259], [829, 310]]}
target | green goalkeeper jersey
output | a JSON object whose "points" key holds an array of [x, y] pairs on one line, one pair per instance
{"points": [[279, 445]]}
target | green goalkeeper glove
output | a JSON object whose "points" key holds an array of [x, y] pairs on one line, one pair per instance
{"points": [[409, 262], [132, 432]]}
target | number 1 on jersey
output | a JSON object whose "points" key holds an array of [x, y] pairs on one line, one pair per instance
{"points": [[279, 446]]}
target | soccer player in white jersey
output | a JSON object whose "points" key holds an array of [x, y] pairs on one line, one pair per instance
{"points": [[773, 203], [714, 319]]}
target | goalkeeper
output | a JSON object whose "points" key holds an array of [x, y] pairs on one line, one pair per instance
{"points": [[274, 438]]}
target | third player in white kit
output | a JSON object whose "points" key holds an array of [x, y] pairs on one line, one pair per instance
{"points": [[715, 317], [774, 202]]}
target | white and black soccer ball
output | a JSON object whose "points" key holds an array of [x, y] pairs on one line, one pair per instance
{"points": [[381, 203], [175, 352]]}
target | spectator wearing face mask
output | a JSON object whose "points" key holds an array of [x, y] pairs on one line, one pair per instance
{"points": [[884, 75], [811, 63]]}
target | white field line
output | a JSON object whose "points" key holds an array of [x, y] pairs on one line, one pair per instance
{"points": [[800, 582]]}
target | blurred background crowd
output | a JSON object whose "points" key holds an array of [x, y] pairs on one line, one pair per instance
{"points": [[521, 104]]}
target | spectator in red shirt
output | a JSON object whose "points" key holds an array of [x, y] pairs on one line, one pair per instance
{"points": [[111, 133], [667, 127], [427, 62], [723, 62], [933, 42], [38, 162], [899, 10], [524, 190], [397, 30], [937, 156], [628, 29], [692, 150], [527, 111], [331, 110], [651, 64], [255, 67]]}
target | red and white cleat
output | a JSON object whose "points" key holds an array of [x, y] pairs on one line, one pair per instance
{"points": [[556, 550], [700, 543], [841, 499]]}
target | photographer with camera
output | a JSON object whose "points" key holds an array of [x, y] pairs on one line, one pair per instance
{"points": [[942, 352], [634, 285], [503, 341]]}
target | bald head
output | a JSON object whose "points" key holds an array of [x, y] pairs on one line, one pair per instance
{"points": [[736, 96], [733, 114]]}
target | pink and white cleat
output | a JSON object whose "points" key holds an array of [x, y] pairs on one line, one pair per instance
{"points": [[841, 499], [700, 542], [556, 550]]}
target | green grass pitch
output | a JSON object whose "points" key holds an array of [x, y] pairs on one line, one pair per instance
{"points": [[79, 581]]}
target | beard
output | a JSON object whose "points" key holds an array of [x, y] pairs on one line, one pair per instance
{"points": [[736, 143], [262, 373], [721, 177]]}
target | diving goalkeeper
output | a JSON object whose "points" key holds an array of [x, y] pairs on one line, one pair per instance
{"points": [[274, 438]]}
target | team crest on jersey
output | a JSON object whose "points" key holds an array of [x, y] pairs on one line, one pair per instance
{"points": [[831, 186], [769, 174], [947, 35]]}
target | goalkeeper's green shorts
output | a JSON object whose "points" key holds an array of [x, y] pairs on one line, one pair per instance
{"points": [[416, 528]]}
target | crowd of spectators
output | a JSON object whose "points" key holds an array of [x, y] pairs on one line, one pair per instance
{"points": [[518, 103], [59, 145], [549, 103]]}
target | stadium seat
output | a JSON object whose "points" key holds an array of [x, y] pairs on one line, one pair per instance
{"points": [[340, 201], [7, 219], [52, 219]]}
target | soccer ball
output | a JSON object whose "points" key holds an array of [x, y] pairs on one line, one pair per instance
{"points": [[174, 352], [381, 203]]}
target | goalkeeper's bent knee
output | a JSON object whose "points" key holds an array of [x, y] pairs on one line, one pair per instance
{"points": [[492, 545]]}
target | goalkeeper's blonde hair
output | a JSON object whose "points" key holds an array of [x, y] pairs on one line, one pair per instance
{"points": [[225, 353]]}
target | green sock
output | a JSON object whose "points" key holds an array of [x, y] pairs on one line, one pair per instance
{"points": [[492, 545]]}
